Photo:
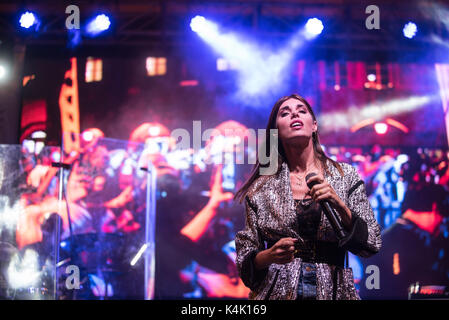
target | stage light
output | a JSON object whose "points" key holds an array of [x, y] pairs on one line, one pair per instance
{"points": [[203, 27], [94, 69], [257, 65], [371, 77], [2, 72], [197, 23], [410, 29], [39, 134], [314, 27], [27, 20], [156, 66], [99, 24], [381, 128]]}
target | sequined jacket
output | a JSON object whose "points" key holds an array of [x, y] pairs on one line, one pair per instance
{"points": [[270, 211]]}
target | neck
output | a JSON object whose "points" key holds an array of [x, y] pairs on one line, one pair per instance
{"points": [[300, 158]]}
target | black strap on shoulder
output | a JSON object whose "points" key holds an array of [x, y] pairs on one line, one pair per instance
{"points": [[352, 189]]}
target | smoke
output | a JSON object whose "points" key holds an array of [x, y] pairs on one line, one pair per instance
{"points": [[262, 70]]}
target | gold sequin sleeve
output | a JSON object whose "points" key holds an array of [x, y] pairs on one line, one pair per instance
{"points": [[248, 244], [360, 207]]}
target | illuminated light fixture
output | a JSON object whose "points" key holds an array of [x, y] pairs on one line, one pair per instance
{"points": [[397, 124], [314, 27], [39, 134], [337, 87], [188, 83], [94, 69], [204, 27], [138, 255], [257, 65], [371, 77], [27, 20], [388, 121], [2, 72], [381, 128], [99, 24], [396, 265], [156, 66], [27, 79], [362, 124], [410, 29]]}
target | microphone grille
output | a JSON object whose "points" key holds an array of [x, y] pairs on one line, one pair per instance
{"points": [[310, 175]]}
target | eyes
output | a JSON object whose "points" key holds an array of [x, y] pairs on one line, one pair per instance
{"points": [[286, 113]]}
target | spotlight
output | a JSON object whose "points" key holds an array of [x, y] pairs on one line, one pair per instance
{"points": [[27, 20], [314, 27], [203, 27], [99, 24], [2, 72], [197, 23], [410, 29], [381, 128], [256, 65], [371, 77]]}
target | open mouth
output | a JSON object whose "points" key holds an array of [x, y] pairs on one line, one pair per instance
{"points": [[296, 124]]}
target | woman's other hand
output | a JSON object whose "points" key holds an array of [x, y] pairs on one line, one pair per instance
{"points": [[281, 252]]}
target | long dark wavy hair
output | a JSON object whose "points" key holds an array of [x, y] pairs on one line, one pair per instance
{"points": [[317, 149]]}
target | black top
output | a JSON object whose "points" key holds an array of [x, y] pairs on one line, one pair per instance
{"points": [[309, 216]]}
